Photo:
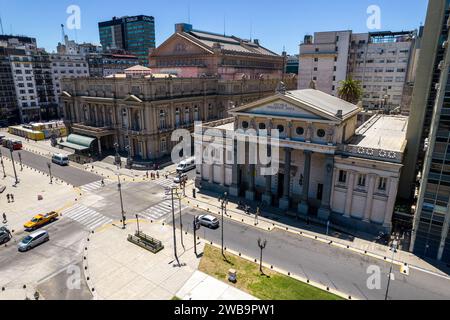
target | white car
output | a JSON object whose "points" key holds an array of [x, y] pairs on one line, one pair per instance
{"points": [[208, 221], [60, 159], [181, 178]]}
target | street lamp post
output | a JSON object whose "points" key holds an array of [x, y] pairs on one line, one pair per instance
{"points": [[174, 228], [137, 222], [121, 201], [129, 160], [262, 245], [20, 161], [11, 148], [3, 164], [394, 250], [196, 226], [223, 205], [49, 165]]}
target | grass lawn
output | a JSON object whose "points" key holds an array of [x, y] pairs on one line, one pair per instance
{"points": [[271, 286]]}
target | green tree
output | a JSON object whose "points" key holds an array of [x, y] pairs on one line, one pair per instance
{"points": [[350, 90]]}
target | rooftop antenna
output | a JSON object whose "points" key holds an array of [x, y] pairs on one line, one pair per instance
{"points": [[251, 30], [224, 25], [1, 25], [189, 12], [63, 34]]}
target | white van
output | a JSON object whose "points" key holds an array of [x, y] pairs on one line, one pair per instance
{"points": [[60, 159], [186, 165]]}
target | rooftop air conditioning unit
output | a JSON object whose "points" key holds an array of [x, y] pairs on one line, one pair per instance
{"points": [[445, 44], [441, 65]]}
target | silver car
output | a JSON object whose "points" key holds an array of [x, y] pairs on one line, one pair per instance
{"points": [[208, 221], [33, 240]]}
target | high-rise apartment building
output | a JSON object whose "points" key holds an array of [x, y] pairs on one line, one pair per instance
{"points": [[9, 112], [133, 34], [428, 150], [379, 60]]}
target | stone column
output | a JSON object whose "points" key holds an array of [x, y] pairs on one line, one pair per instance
{"points": [[285, 201], [369, 199], [303, 207], [267, 196], [325, 209], [99, 141], [393, 186], [235, 187], [250, 193], [349, 196]]}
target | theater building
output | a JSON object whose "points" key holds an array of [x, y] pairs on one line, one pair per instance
{"points": [[327, 168]]}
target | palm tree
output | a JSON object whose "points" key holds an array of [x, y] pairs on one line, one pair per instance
{"points": [[350, 90]]}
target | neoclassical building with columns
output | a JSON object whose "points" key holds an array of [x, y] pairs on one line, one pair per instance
{"points": [[327, 168]]}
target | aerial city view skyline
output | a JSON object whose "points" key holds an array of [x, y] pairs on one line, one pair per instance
{"points": [[234, 151]]}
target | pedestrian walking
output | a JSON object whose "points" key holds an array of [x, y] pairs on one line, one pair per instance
{"points": [[4, 218], [103, 183], [7, 196], [157, 174], [146, 174], [12, 197]]}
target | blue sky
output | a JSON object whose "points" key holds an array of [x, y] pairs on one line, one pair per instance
{"points": [[275, 23]]}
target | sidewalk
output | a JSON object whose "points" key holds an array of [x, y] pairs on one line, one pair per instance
{"points": [[32, 183], [102, 168], [118, 269], [270, 221]]}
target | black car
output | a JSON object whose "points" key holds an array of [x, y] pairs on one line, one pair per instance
{"points": [[5, 235]]}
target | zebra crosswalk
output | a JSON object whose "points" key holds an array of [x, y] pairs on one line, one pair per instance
{"points": [[162, 209], [89, 218], [166, 183], [92, 186]]}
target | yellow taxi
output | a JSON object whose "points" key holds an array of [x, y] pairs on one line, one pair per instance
{"points": [[40, 220]]}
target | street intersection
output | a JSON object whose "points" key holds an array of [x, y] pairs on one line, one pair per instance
{"points": [[91, 204]]}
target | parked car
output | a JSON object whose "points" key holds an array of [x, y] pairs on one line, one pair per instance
{"points": [[186, 165], [181, 178], [33, 240], [5, 235], [60, 159], [208, 221], [17, 145], [40, 220]]}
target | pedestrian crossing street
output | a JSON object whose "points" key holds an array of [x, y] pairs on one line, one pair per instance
{"points": [[89, 218], [166, 183], [92, 186], [162, 209]]}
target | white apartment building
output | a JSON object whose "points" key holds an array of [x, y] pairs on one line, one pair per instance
{"points": [[381, 61], [67, 66], [24, 82], [324, 60]]}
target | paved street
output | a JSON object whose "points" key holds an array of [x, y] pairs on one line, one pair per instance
{"points": [[342, 270], [46, 266], [69, 174]]}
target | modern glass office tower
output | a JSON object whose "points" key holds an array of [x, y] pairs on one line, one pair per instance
{"points": [[133, 34], [429, 138]]}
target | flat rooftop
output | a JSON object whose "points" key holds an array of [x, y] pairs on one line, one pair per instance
{"points": [[384, 132]]}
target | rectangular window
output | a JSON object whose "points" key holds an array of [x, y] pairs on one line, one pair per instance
{"points": [[342, 176], [362, 180], [382, 184]]}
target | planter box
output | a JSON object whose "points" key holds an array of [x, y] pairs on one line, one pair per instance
{"points": [[146, 242]]}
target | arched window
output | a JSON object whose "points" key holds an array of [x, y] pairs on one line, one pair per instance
{"points": [[280, 128], [187, 115], [196, 114], [162, 119]]}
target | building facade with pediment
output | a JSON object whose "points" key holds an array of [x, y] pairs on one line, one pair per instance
{"points": [[142, 111], [327, 167], [194, 53]]}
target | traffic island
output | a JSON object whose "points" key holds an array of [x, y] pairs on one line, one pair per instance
{"points": [[269, 285]]}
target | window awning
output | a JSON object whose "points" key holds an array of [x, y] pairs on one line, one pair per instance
{"points": [[78, 142]]}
